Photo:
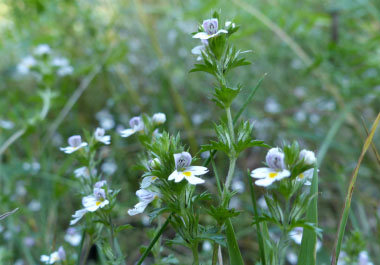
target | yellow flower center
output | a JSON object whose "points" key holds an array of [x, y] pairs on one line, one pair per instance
{"points": [[273, 174], [98, 203], [154, 178], [301, 176], [187, 173]]}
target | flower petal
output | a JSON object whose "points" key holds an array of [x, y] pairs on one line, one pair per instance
{"points": [[194, 180], [261, 172], [179, 177], [90, 203], [197, 170], [139, 208], [173, 175], [265, 182], [282, 174], [127, 132], [202, 36]]}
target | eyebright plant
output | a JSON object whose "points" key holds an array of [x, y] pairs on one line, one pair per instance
{"points": [[173, 186]]}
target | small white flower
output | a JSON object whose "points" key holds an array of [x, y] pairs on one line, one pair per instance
{"points": [[266, 176], [83, 172], [65, 70], [306, 176], [75, 143], [292, 257], [95, 201], [42, 49], [59, 62], [308, 157], [147, 181], [109, 167], [34, 206], [296, 235], [92, 202], [159, 118], [137, 125], [145, 197], [210, 27], [54, 257], [229, 23], [26, 64], [197, 50], [184, 170], [101, 137], [364, 258], [105, 119], [73, 237]]}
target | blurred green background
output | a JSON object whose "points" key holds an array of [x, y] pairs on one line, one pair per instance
{"points": [[322, 60]]}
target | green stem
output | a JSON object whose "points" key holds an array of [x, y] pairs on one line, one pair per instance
{"points": [[156, 237], [81, 247], [195, 254]]}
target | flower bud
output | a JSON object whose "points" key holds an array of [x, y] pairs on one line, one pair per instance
{"points": [[308, 157], [154, 163], [159, 118], [276, 159]]}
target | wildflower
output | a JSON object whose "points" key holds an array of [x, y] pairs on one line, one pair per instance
{"points": [[83, 172], [73, 237], [109, 167], [75, 143], [159, 118], [276, 171], [105, 119], [59, 62], [42, 49], [137, 125], [147, 181], [96, 200], [184, 170], [296, 235], [26, 64], [210, 27], [145, 197], [34, 206], [65, 70], [54, 257], [306, 176], [197, 50], [101, 137], [308, 157], [92, 202], [229, 23], [364, 258]]}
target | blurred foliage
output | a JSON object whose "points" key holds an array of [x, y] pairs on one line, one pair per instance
{"points": [[129, 57]]}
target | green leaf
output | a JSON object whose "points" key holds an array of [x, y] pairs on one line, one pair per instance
{"points": [[308, 250], [123, 227], [233, 247]]}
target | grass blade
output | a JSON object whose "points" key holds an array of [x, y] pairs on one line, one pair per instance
{"points": [[2, 216], [347, 204], [308, 250], [233, 247], [253, 92], [258, 228]]}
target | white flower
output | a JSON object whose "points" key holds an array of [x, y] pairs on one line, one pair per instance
{"points": [[73, 237], [229, 23], [92, 202], [159, 118], [197, 50], [105, 119], [95, 201], [296, 235], [66, 70], [184, 170], [75, 143], [266, 176], [84, 172], [42, 49], [364, 258], [101, 137], [210, 27], [308, 157], [109, 167], [147, 181], [306, 176], [54, 257], [145, 197], [292, 257], [275, 159], [137, 125], [59, 62], [26, 64]]}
